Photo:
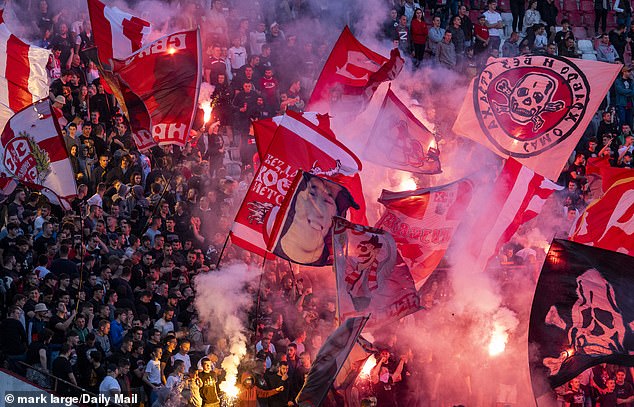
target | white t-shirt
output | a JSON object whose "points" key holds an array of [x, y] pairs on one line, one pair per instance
{"points": [[164, 326], [493, 17], [108, 384], [173, 381], [153, 370], [185, 358], [237, 57]]}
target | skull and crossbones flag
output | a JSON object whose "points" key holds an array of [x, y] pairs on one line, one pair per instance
{"points": [[534, 108], [371, 277], [582, 314]]}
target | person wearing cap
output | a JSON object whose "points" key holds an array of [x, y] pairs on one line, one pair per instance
{"points": [[38, 323], [624, 86]]}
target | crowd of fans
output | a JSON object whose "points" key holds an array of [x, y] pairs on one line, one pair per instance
{"points": [[102, 296]]}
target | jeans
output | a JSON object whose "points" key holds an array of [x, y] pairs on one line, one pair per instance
{"points": [[603, 16]]}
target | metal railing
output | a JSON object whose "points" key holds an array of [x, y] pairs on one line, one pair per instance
{"points": [[55, 381]]}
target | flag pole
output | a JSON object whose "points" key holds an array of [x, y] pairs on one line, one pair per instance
{"points": [[158, 204], [257, 305], [224, 246]]}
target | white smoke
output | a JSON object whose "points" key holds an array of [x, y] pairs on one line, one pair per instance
{"points": [[222, 301]]}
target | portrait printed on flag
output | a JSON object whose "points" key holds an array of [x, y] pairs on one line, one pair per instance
{"points": [[303, 234], [582, 313]]}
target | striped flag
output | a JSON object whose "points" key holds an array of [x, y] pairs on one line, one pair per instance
{"points": [[34, 153], [423, 223], [117, 33], [518, 196], [23, 77], [298, 144]]}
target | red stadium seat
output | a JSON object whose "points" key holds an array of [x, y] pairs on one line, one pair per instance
{"points": [[473, 15], [580, 33], [587, 6], [570, 5], [575, 18], [503, 5]]}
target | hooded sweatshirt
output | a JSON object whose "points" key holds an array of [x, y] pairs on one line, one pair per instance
{"points": [[248, 396]]}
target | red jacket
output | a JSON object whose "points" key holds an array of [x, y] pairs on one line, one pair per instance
{"points": [[419, 31]]}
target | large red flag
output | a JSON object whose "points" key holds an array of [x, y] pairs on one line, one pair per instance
{"points": [[351, 75], [608, 222], [117, 34], [534, 108], [518, 196], [166, 76], [34, 153], [423, 223], [264, 131], [298, 144], [400, 141], [23, 77], [134, 109]]}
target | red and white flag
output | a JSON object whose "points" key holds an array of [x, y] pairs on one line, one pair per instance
{"points": [[298, 144], [608, 222], [165, 75], [519, 194], [371, 277], [264, 131], [351, 75], [34, 153], [117, 34], [423, 223], [400, 141], [534, 108], [23, 77], [134, 109]]}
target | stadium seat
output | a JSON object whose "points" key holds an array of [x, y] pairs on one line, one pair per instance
{"points": [[580, 33], [473, 15], [586, 47], [570, 5], [576, 18], [503, 5], [587, 6]]}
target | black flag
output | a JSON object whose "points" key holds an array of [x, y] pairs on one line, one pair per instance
{"points": [[581, 314], [330, 358]]}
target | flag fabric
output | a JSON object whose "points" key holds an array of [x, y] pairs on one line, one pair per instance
{"points": [[264, 131], [329, 360], [519, 194], [298, 144], [400, 141], [165, 75], [371, 278], [7, 186], [134, 109], [23, 76], [423, 222], [534, 108], [608, 222], [601, 166], [303, 227], [34, 153], [117, 34], [351, 75], [357, 365], [581, 314]]}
